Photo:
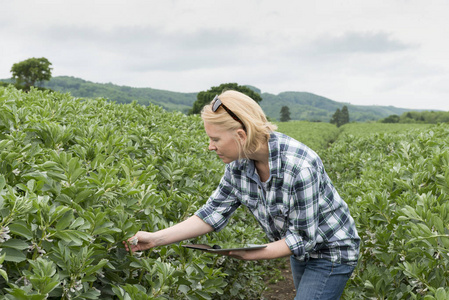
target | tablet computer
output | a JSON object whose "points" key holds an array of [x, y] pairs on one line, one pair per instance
{"points": [[216, 248]]}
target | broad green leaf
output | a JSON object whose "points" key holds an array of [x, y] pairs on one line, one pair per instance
{"points": [[438, 223], [73, 236], [2, 182], [59, 212], [77, 223], [411, 213], [50, 165], [4, 274], [15, 244], [57, 175], [204, 295], [107, 237], [20, 294], [91, 294], [76, 174], [425, 229], [441, 294], [50, 287], [36, 175], [107, 227], [92, 269], [73, 163], [5, 143], [64, 221], [13, 255], [445, 242]]}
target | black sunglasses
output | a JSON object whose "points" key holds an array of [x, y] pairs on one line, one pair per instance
{"points": [[216, 103]]}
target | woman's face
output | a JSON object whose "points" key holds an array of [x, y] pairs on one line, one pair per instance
{"points": [[223, 142]]}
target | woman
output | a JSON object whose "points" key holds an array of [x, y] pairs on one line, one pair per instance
{"points": [[285, 186]]}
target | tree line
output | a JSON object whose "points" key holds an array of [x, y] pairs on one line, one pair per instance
{"points": [[428, 117], [33, 72]]}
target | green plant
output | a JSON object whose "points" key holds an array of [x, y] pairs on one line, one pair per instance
{"points": [[396, 185], [79, 176]]}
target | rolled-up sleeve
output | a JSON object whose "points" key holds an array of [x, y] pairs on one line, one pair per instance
{"points": [[221, 204], [301, 236]]}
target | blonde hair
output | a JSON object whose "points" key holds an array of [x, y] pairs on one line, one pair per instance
{"points": [[258, 128]]}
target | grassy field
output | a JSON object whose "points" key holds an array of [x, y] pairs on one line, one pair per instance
{"points": [[363, 129], [319, 135], [316, 135]]}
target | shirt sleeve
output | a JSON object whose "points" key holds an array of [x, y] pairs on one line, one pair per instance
{"points": [[221, 204], [304, 212]]}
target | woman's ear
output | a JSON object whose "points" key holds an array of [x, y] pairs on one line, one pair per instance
{"points": [[241, 135]]}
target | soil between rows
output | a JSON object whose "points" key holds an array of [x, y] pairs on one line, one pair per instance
{"points": [[283, 289]]}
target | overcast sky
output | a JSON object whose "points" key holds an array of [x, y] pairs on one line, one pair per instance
{"points": [[393, 52]]}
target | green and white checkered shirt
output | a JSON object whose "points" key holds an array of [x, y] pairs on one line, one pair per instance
{"points": [[299, 202]]}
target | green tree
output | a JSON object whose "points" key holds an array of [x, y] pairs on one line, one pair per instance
{"points": [[336, 117], [206, 97], [285, 114], [340, 117], [26, 73], [391, 119], [344, 117]]}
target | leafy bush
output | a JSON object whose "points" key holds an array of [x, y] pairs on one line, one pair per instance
{"points": [[397, 187], [79, 176]]}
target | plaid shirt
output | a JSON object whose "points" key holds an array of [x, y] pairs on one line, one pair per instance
{"points": [[298, 203]]}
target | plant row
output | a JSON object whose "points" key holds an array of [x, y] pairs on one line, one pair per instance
{"points": [[79, 176], [397, 187]]}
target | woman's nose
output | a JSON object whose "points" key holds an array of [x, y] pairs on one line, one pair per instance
{"points": [[212, 146]]}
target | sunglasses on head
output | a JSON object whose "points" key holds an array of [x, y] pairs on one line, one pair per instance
{"points": [[216, 103]]}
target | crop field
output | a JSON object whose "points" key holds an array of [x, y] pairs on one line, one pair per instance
{"points": [[363, 129], [79, 176], [316, 135], [397, 187], [319, 135]]}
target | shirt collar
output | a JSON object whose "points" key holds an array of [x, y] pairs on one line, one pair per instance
{"points": [[274, 161]]}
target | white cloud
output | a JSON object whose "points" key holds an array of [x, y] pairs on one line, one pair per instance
{"points": [[358, 42], [384, 53]]}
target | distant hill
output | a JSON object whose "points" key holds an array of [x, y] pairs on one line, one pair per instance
{"points": [[171, 101], [302, 105], [311, 107]]}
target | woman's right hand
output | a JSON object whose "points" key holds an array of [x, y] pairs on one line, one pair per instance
{"points": [[141, 241], [187, 229]]}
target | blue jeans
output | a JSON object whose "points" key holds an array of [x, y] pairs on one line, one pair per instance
{"points": [[319, 279]]}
